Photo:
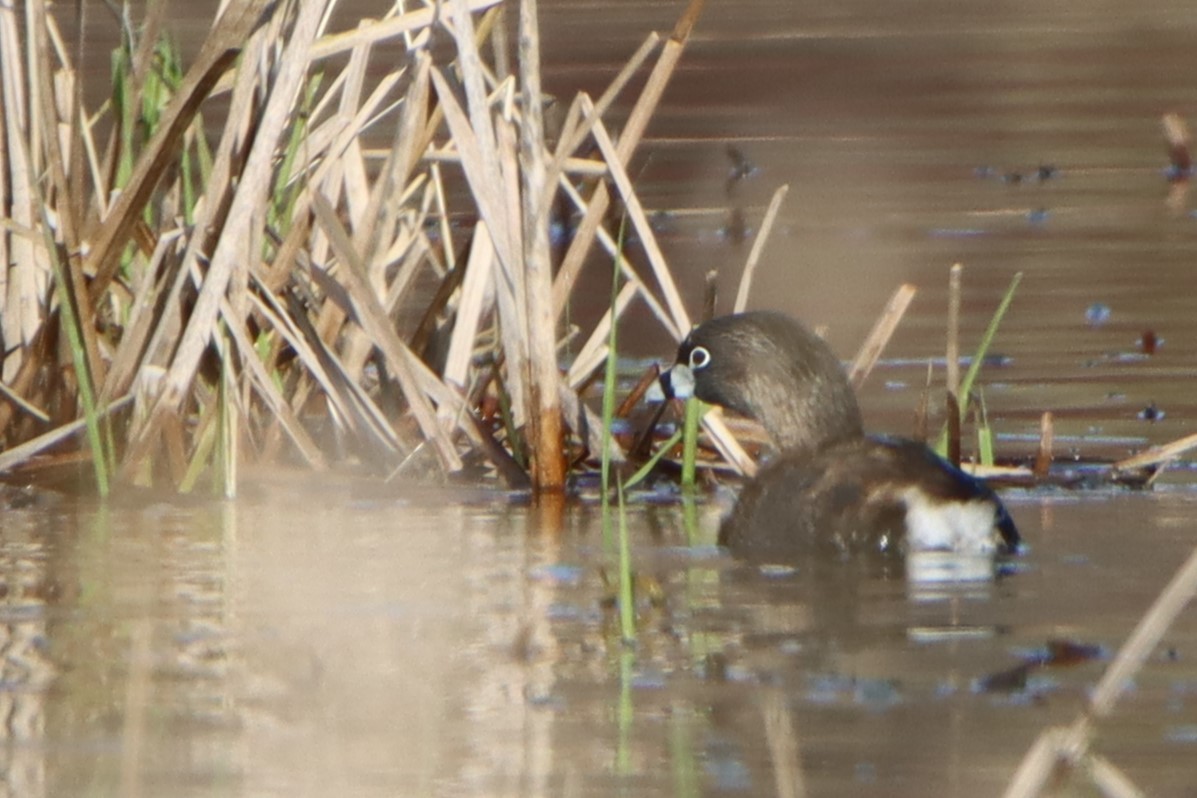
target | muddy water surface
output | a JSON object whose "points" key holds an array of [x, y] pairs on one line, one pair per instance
{"points": [[328, 638], [313, 639]]}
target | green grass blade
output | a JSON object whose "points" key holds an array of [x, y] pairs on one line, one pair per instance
{"points": [[966, 384], [627, 607], [100, 457], [610, 374], [227, 419], [695, 409], [686, 769], [646, 469], [625, 714], [984, 433]]}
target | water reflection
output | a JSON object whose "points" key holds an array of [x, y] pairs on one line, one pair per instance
{"points": [[321, 638], [26, 672]]}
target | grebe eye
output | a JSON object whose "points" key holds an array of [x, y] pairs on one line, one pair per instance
{"points": [[700, 358]]}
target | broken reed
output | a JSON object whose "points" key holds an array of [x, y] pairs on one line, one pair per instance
{"points": [[249, 287]]}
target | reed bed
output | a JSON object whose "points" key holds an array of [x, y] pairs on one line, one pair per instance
{"points": [[196, 284]]}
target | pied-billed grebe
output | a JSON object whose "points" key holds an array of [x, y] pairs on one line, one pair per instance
{"points": [[829, 487]]}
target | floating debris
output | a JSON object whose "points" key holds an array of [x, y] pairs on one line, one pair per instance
{"points": [[1097, 314], [1055, 653], [741, 167], [1151, 413], [1041, 174], [956, 232], [1149, 342], [1176, 133], [736, 230]]}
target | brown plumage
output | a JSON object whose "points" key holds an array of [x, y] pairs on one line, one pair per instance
{"points": [[829, 487]]}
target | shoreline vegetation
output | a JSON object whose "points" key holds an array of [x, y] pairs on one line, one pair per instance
{"points": [[187, 294], [178, 298], [181, 298]]}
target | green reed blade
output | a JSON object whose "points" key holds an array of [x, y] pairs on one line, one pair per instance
{"points": [[227, 418], [966, 384], [686, 769], [286, 189], [646, 469], [695, 409], [100, 457], [625, 714], [627, 608], [205, 442], [984, 432], [610, 373], [514, 439]]}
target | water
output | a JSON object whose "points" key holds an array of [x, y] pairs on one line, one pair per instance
{"points": [[325, 636], [317, 637]]}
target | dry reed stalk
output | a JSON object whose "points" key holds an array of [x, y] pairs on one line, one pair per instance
{"points": [[373, 32], [724, 441], [953, 401], [128, 355], [481, 167], [629, 139], [350, 168], [342, 173], [594, 351], [66, 212], [384, 209], [24, 311], [952, 430], [487, 180], [351, 408], [576, 167], [877, 339], [726, 444], [656, 259], [266, 389], [788, 778], [16, 456], [371, 316], [233, 245], [474, 302], [572, 136], [446, 228], [360, 412], [1158, 455], [176, 292], [36, 354], [210, 213], [758, 246], [953, 351], [627, 271], [29, 409], [1043, 459], [514, 322], [1070, 745], [216, 55], [7, 228], [332, 316]]}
